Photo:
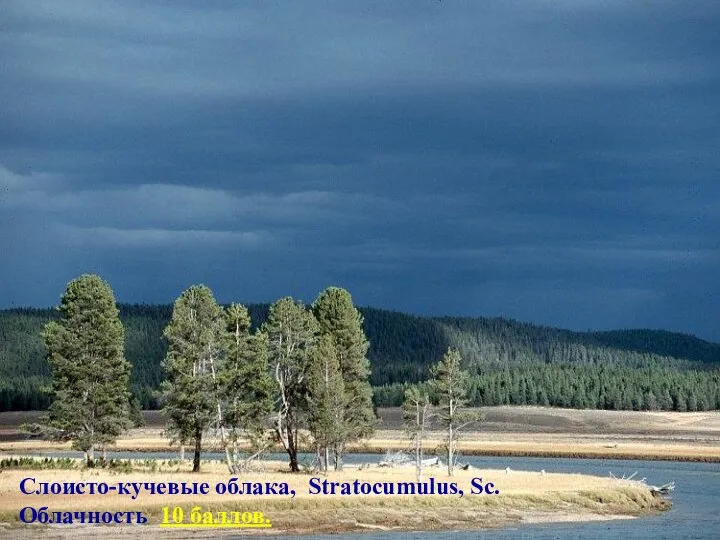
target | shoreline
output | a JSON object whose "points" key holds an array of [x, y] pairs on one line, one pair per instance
{"points": [[343, 526], [505, 431], [647, 451], [526, 498]]}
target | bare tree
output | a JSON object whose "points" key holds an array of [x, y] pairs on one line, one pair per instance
{"points": [[417, 411]]}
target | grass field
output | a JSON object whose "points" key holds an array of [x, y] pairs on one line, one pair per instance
{"points": [[505, 431]]}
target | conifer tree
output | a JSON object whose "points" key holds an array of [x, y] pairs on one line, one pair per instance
{"points": [[244, 384], [90, 375], [196, 345], [449, 382], [326, 399], [337, 317], [290, 331]]}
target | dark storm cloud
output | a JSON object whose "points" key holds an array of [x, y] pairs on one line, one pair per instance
{"points": [[550, 161]]}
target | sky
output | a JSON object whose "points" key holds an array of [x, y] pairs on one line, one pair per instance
{"points": [[556, 162]]}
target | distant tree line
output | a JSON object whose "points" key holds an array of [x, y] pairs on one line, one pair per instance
{"points": [[584, 387], [621, 369]]}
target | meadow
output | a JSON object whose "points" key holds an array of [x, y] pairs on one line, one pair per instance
{"points": [[504, 431]]}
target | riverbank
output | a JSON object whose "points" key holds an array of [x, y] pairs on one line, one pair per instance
{"points": [[472, 444], [525, 497]]}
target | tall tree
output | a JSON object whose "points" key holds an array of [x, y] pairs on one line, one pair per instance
{"points": [[244, 384], [417, 411], [337, 317], [196, 345], [290, 331], [326, 399], [90, 375], [449, 381]]}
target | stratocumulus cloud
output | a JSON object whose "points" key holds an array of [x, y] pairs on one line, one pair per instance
{"points": [[549, 161]]}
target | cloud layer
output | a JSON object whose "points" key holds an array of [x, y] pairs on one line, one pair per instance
{"points": [[550, 161]]}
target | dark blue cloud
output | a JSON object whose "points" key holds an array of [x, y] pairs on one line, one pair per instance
{"points": [[549, 161]]}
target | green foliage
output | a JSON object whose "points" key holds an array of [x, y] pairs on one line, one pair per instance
{"points": [[416, 408], [90, 376], [244, 383], [337, 317], [37, 463], [290, 331], [498, 353], [593, 387], [449, 384], [327, 400], [196, 341]]}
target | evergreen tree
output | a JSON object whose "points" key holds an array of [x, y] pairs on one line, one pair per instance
{"points": [[703, 404], [290, 331], [651, 402], [665, 401], [337, 317], [496, 352], [244, 385], [196, 345], [679, 403], [90, 375], [449, 382], [326, 399]]}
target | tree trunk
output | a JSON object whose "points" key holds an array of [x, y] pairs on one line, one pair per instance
{"points": [[419, 423], [90, 456], [292, 450], [327, 458], [223, 437], [418, 458], [104, 455], [198, 450], [451, 469], [338, 457], [182, 453], [230, 461]]}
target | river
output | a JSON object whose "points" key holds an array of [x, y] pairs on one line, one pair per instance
{"points": [[695, 513]]}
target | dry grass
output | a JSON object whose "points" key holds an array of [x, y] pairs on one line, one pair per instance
{"points": [[551, 445], [524, 496], [477, 443], [520, 431]]}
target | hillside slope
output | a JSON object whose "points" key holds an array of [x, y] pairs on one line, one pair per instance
{"points": [[511, 362]]}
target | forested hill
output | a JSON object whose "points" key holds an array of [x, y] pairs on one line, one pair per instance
{"points": [[510, 362]]}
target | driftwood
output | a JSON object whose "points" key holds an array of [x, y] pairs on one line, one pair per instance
{"points": [[665, 489], [401, 459]]}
